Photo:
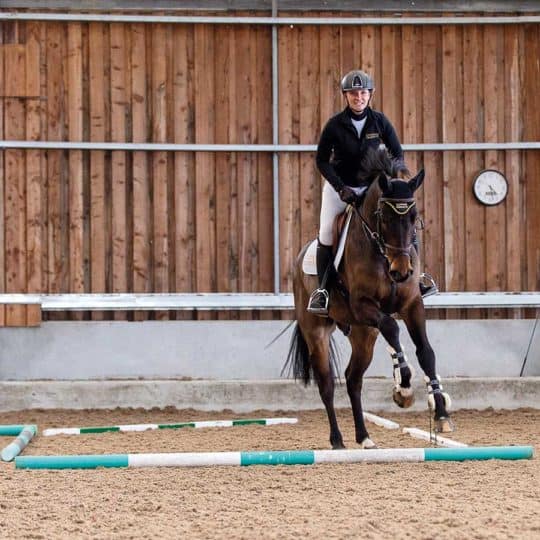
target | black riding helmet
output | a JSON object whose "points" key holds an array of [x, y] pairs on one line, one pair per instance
{"points": [[356, 80]]}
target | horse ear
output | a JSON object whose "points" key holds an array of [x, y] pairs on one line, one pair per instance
{"points": [[416, 182], [383, 183]]}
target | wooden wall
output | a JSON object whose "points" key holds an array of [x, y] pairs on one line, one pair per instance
{"points": [[121, 221]]}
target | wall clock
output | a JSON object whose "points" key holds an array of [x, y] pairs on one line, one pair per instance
{"points": [[490, 187]]}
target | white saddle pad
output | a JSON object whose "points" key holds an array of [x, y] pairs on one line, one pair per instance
{"points": [[309, 264]]}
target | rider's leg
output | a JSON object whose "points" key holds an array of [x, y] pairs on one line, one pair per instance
{"points": [[318, 301], [331, 206], [427, 284]]}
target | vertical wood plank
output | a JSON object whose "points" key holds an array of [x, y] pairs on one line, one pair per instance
{"points": [[141, 182], [391, 75], [264, 167], [411, 67], [309, 131], [368, 39], [184, 169], [330, 74], [242, 135], [75, 133], [15, 181], [531, 132], [224, 93], [97, 161], [475, 261], [34, 183], [14, 70], [118, 93], [57, 229], [495, 233], [289, 214], [247, 167], [204, 161], [434, 231], [347, 61], [512, 129], [235, 239], [453, 182], [160, 236]]}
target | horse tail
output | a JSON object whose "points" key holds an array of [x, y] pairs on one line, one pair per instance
{"points": [[298, 362]]}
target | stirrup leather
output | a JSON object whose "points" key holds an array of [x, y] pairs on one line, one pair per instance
{"points": [[318, 297]]}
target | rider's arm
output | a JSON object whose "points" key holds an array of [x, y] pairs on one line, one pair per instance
{"points": [[324, 153]]}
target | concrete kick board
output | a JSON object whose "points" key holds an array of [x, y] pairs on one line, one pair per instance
{"points": [[246, 396], [238, 349]]}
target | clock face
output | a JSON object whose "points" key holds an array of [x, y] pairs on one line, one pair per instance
{"points": [[490, 187]]}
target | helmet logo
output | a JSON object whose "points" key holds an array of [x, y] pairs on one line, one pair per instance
{"points": [[357, 82]]}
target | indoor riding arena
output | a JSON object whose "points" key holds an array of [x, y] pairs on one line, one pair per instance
{"points": [[159, 179]]}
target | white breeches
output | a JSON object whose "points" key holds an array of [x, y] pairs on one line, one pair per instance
{"points": [[331, 206]]}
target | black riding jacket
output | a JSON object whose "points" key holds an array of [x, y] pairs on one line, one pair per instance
{"points": [[340, 150]]}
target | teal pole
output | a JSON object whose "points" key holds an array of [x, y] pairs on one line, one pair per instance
{"points": [[478, 453], [71, 462], [11, 431]]}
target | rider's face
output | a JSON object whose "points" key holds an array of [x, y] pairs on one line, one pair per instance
{"points": [[358, 100]]}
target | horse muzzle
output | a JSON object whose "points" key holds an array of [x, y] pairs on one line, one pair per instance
{"points": [[401, 268]]}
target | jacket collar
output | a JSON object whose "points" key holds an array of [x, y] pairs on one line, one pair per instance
{"points": [[346, 119]]}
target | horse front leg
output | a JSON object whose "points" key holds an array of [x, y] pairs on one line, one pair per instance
{"points": [[362, 339], [438, 400], [402, 393]]}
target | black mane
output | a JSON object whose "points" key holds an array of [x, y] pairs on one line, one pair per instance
{"points": [[378, 162]]}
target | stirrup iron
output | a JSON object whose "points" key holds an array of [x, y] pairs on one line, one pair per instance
{"points": [[430, 287], [316, 295]]}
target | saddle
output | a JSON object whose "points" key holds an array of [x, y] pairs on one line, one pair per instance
{"points": [[340, 231]]}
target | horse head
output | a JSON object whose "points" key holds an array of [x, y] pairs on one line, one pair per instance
{"points": [[396, 220]]}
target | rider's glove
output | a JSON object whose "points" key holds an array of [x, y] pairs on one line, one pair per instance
{"points": [[348, 195]]}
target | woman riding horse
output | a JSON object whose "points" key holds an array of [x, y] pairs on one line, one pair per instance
{"points": [[344, 141], [378, 276]]}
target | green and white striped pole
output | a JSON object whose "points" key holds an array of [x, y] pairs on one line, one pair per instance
{"points": [[19, 444], [145, 427], [288, 457]]}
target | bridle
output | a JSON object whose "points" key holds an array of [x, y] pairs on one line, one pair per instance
{"points": [[399, 206]]}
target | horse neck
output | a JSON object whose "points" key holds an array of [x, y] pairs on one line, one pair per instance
{"points": [[370, 204], [359, 243]]}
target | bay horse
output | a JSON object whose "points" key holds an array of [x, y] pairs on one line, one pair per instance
{"points": [[378, 276]]}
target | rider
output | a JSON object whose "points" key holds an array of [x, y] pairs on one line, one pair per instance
{"points": [[343, 142]]}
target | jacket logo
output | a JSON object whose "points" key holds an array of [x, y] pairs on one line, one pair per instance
{"points": [[372, 135]]}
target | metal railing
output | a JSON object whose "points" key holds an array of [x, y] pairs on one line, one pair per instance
{"points": [[244, 301]]}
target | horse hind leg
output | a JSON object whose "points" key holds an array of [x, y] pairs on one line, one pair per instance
{"points": [[322, 360], [362, 342], [311, 356]]}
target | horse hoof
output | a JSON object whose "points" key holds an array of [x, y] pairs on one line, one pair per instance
{"points": [[338, 445], [367, 444], [444, 425], [402, 401]]}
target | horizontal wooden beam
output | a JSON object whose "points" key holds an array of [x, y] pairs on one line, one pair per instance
{"points": [[268, 21]]}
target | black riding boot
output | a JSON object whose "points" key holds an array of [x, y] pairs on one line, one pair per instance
{"points": [[318, 301], [427, 284]]}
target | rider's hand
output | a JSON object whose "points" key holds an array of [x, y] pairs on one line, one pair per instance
{"points": [[348, 195]]}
